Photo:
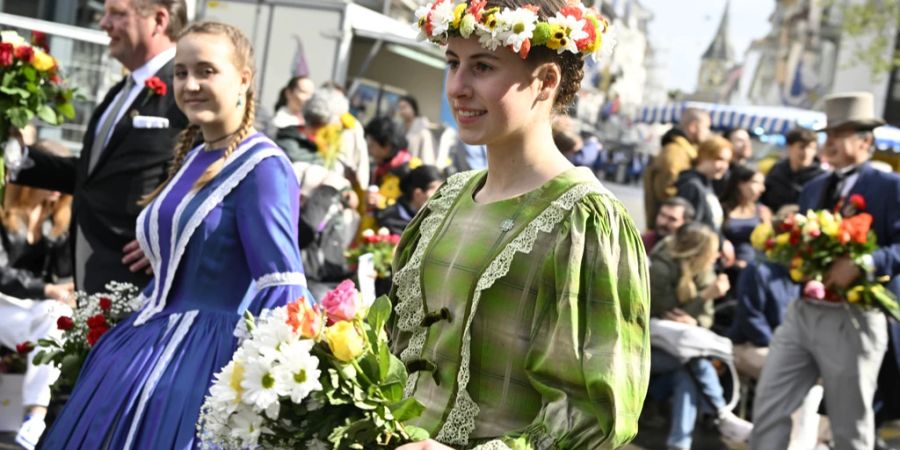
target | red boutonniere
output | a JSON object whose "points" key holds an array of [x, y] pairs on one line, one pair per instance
{"points": [[851, 206], [157, 86]]}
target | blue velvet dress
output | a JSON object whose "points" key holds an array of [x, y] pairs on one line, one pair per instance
{"points": [[216, 252]]}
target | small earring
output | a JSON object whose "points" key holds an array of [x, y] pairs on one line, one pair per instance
{"points": [[240, 100]]}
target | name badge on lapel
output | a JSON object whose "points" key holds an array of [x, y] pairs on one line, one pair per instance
{"points": [[149, 122]]}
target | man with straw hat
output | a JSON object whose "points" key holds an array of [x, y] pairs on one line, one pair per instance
{"points": [[843, 344]]}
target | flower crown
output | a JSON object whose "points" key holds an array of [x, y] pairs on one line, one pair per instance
{"points": [[574, 28]]}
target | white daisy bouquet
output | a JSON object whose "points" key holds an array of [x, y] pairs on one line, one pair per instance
{"points": [[93, 317], [314, 377]]}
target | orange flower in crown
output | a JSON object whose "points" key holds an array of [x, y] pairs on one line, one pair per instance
{"points": [[574, 28]]}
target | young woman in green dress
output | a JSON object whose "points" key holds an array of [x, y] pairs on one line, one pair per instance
{"points": [[521, 292]]}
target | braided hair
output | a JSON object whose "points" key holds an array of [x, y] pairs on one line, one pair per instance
{"points": [[243, 58]]}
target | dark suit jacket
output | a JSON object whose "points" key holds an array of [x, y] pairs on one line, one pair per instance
{"points": [[133, 163]]}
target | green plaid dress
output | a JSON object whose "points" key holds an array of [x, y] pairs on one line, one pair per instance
{"points": [[524, 321]]}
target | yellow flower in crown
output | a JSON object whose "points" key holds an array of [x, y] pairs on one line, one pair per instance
{"points": [[458, 13], [574, 28]]}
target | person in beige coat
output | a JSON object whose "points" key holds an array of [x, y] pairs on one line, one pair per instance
{"points": [[677, 153]]}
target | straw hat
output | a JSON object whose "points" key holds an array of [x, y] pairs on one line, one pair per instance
{"points": [[851, 111]]}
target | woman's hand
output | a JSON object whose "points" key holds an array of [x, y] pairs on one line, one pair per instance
{"points": [[718, 288], [428, 444]]}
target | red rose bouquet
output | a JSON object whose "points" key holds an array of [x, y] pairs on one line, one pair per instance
{"points": [[808, 244], [381, 245], [94, 316], [30, 86]]}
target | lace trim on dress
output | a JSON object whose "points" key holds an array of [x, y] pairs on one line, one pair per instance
{"points": [[213, 199], [461, 419], [281, 279], [159, 368], [496, 444], [410, 309]]}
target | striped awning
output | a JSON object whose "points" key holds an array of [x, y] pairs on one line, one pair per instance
{"points": [[759, 119], [887, 138]]}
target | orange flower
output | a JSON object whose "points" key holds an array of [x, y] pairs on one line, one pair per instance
{"points": [[855, 228], [305, 318]]}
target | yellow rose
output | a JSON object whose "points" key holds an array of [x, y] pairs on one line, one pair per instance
{"points": [[796, 275], [390, 189], [42, 61], [345, 341], [783, 239], [855, 294], [760, 235]]}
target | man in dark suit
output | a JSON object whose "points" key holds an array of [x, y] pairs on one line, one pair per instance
{"points": [[127, 146], [842, 343]]}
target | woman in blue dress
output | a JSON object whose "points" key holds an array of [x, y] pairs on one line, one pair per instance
{"points": [[221, 237]]}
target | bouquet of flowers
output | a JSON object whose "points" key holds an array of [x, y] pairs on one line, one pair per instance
{"points": [[93, 317], [30, 85], [809, 243], [381, 245], [312, 377]]}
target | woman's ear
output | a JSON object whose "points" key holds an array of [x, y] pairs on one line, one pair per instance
{"points": [[549, 77]]}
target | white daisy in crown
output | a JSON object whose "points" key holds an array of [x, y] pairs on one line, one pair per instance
{"points": [[441, 16], [491, 32], [421, 16], [574, 31], [520, 25]]}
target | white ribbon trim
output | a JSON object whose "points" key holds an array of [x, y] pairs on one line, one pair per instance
{"points": [[160, 367], [281, 279]]}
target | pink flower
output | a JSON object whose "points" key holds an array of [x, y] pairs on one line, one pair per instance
{"points": [[341, 303], [814, 289]]}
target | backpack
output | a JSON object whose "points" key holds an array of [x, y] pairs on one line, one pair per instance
{"points": [[327, 229]]}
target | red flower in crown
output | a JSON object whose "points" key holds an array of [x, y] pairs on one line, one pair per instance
{"points": [[156, 85]]}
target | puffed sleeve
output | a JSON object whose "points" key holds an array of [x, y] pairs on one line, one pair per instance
{"points": [[268, 212], [590, 354]]}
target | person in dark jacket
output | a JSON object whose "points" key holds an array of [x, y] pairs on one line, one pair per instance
{"points": [[290, 124], [788, 176], [416, 188], [696, 185]]}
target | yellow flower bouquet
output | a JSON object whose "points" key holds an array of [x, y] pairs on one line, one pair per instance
{"points": [[807, 244]]}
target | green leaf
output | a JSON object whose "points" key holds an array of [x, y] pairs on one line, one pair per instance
{"points": [[66, 110], [30, 73], [416, 434], [15, 91], [396, 372], [19, 116], [47, 114], [379, 313], [407, 409]]}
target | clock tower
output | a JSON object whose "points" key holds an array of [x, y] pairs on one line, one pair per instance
{"points": [[716, 63]]}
